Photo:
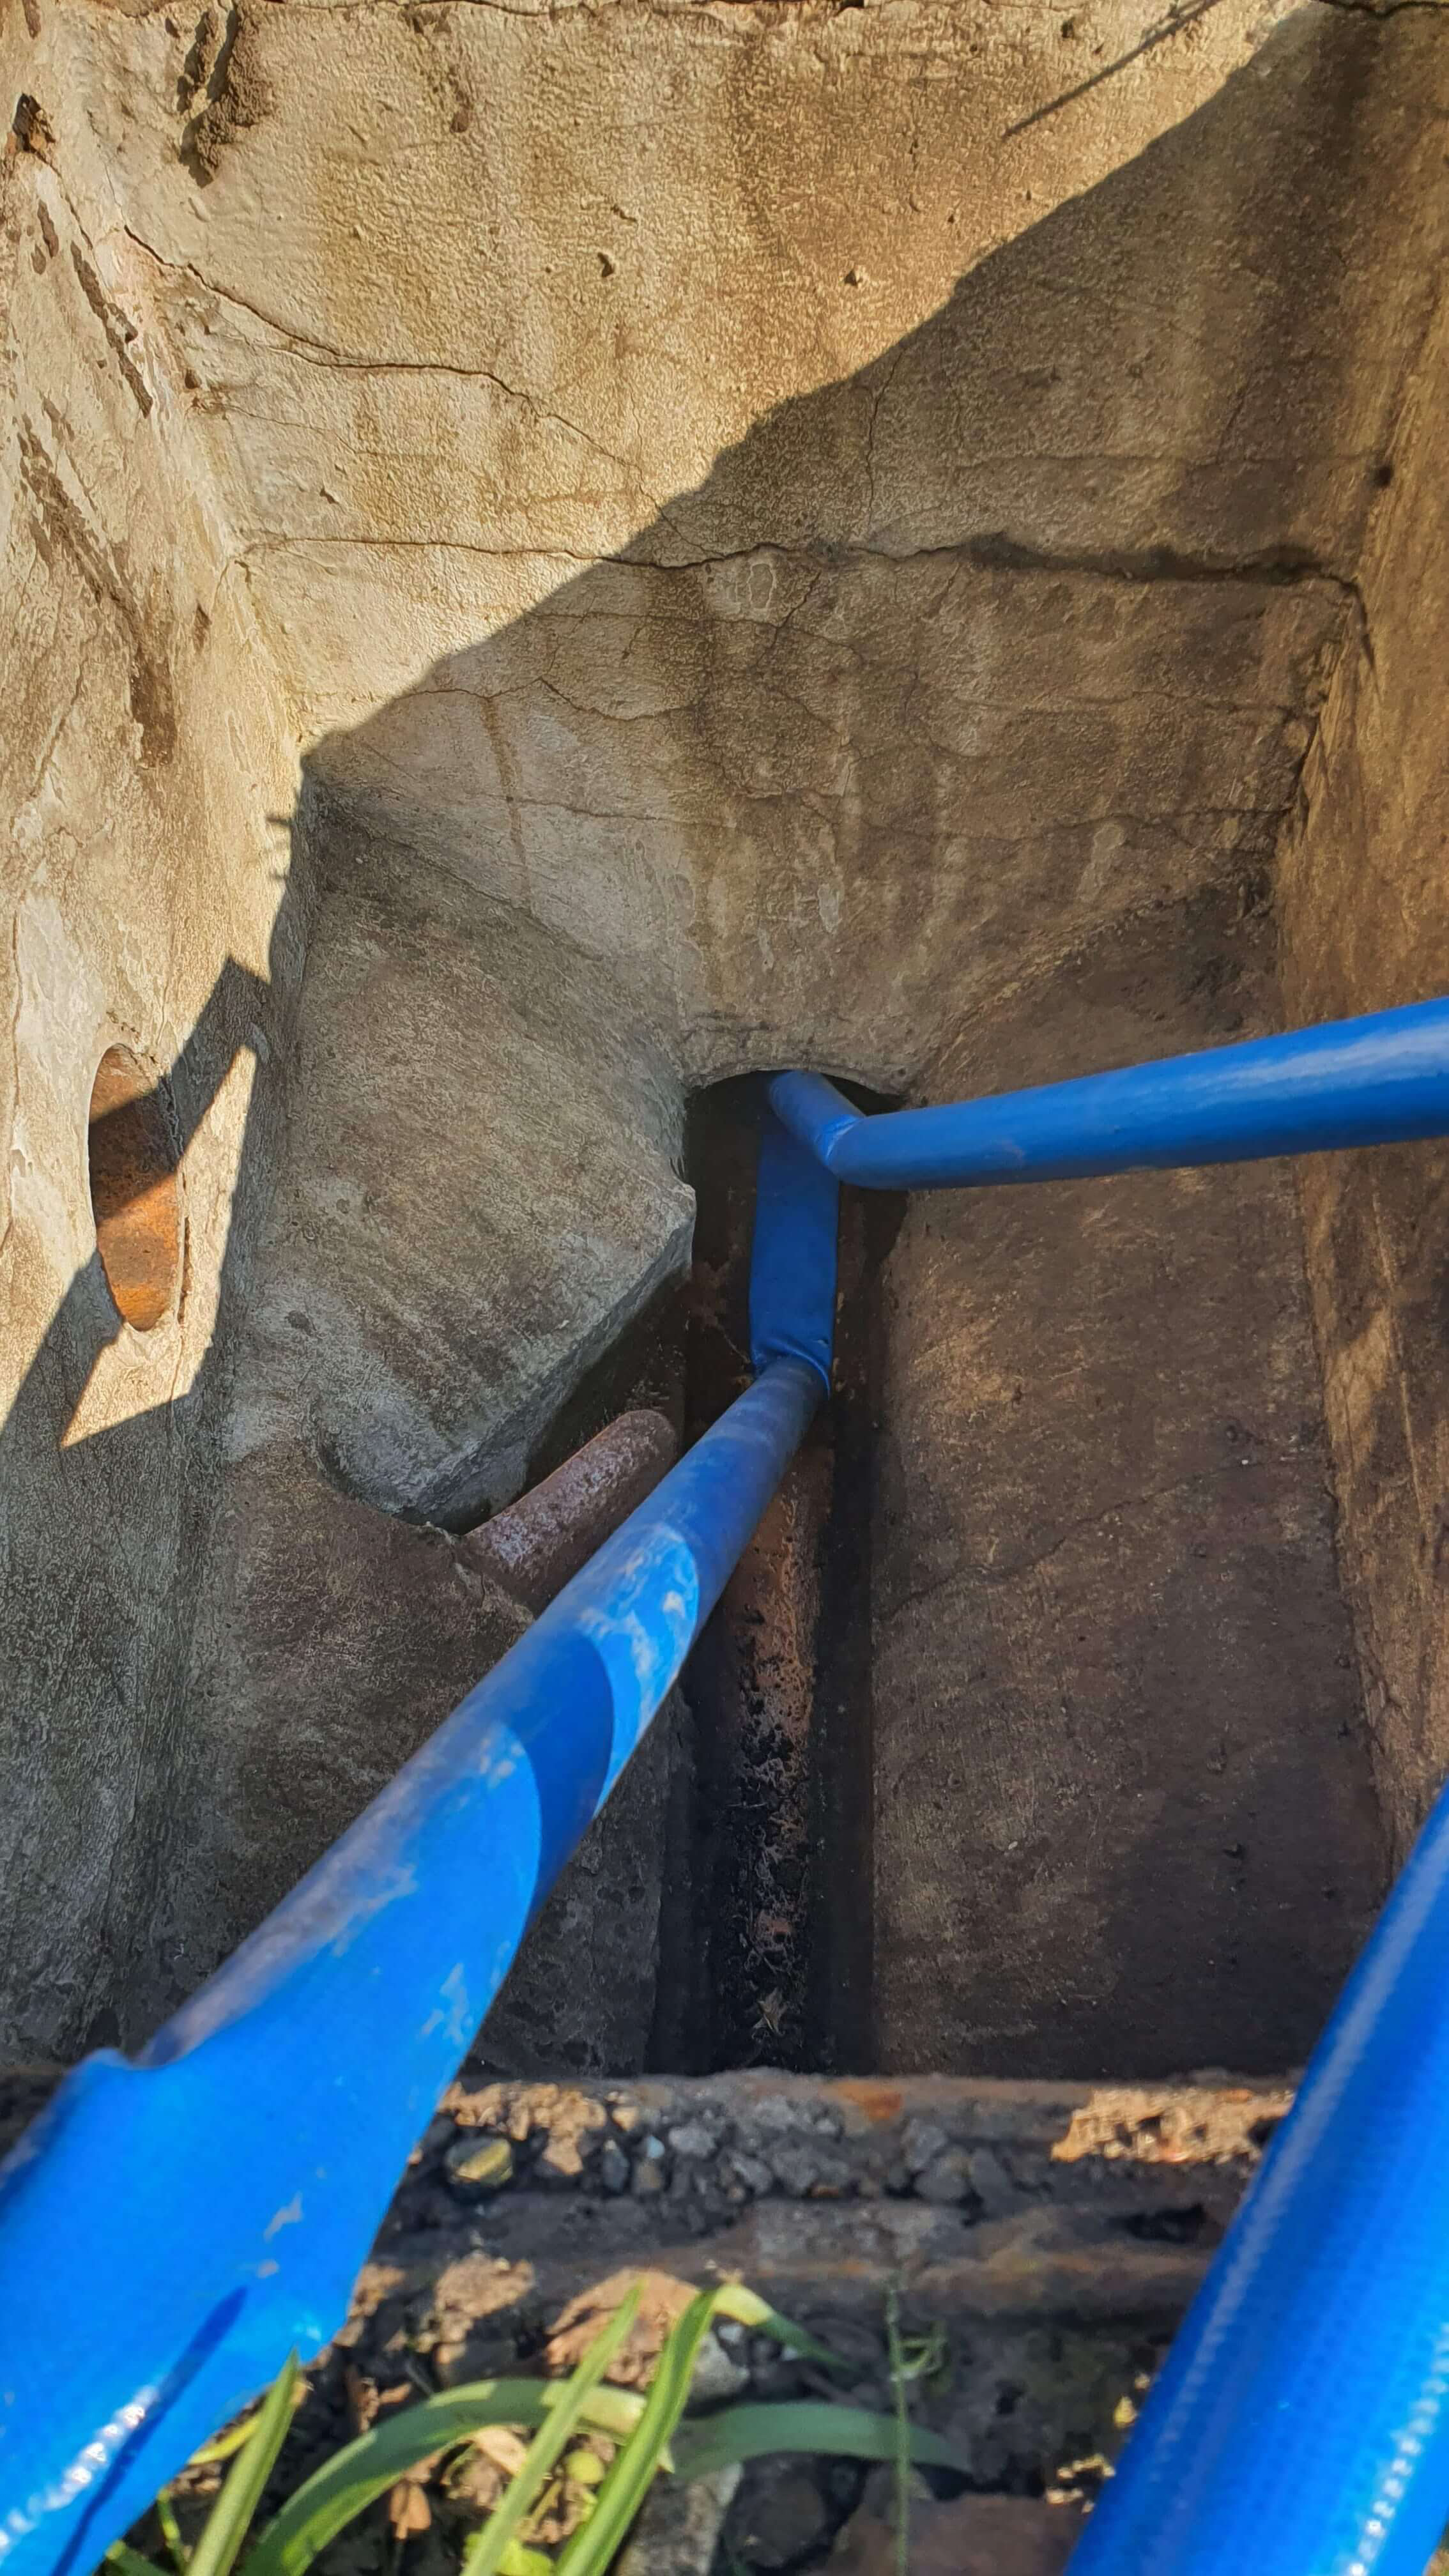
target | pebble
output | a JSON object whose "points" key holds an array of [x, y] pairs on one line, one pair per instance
{"points": [[717, 2373], [649, 2174], [921, 2142], [947, 2179], [693, 2139], [787, 2518], [614, 2167], [750, 2172], [990, 2177], [479, 2163], [777, 2113], [809, 2169]]}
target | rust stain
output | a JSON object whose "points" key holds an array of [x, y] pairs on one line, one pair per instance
{"points": [[135, 1199], [881, 2103]]}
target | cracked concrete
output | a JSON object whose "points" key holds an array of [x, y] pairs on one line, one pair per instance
{"points": [[533, 597]]}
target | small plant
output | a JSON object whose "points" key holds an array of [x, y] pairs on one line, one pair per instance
{"points": [[911, 2359], [574, 2423]]}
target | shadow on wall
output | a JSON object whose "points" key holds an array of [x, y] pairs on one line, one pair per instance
{"points": [[1015, 631], [97, 1625], [939, 675]]}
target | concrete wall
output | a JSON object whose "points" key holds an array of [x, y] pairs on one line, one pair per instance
{"points": [[1364, 896], [154, 896], [685, 537]]}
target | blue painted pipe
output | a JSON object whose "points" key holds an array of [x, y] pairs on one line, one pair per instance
{"points": [[1300, 2425], [1374, 1081], [172, 2228]]}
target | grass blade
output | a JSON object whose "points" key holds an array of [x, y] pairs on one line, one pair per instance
{"points": [[592, 2547], [130, 2561], [226, 2525], [747, 2308], [355, 2477], [614, 2411], [485, 2553], [753, 2432], [171, 2530], [901, 2454], [224, 2444]]}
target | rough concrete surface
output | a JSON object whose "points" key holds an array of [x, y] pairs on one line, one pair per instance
{"points": [[560, 555], [1365, 907], [1124, 1815]]}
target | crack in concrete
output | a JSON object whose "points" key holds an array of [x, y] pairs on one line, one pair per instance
{"points": [[272, 545], [986, 553], [314, 352]]}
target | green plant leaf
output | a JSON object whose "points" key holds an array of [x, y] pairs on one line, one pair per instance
{"points": [[747, 2308], [171, 2530], [591, 2549], [130, 2561], [354, 2478], [614, 2411], [645, 2427], [484, 2555], [224, 2444], [901, 2448], [753, 2432], [226, 2524]]}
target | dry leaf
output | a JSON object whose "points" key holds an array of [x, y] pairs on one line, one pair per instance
{"points": [[408, 2509], [361, 2398], [663, 2302], [503, 2448]]}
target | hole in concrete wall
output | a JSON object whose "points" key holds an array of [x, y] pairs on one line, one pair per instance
{"points": [[135, 1194]]}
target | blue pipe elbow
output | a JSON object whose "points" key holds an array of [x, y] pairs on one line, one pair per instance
{"points": [[1375, 1081]]}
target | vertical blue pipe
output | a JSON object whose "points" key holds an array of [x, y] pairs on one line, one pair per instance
{"points": [[172, 2228], [792, 1256]]}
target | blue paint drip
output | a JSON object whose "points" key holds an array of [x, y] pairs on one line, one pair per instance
{"points": [[1374, 1081], [172, 2228]]}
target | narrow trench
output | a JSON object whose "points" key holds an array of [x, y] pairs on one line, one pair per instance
{"points": [[766, 1958], [1200, 1844]]}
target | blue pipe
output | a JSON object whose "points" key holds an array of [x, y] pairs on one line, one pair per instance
{"points": [[1300, 2425], [171, 2228], [1374, 1081]]}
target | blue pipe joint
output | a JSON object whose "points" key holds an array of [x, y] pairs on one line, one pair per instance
{"points": [[793, 1259], [1380, 1080]]}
